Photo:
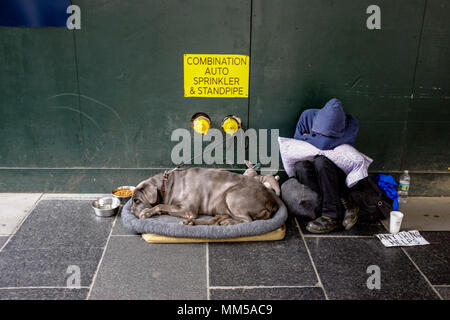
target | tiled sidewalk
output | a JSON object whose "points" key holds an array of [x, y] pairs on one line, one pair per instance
{"points": [[45, 234]]}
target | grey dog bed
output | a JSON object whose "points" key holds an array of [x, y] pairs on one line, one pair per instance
{"points": [[167, 225]]}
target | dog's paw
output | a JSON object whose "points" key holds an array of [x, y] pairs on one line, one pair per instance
{"points": [[146, 213], [142, 216], [188, 222]]}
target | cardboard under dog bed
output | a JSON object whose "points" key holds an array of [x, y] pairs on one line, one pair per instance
{"points": [[270, 236], [168, 229]]}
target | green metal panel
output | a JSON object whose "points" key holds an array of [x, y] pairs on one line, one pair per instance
{"points": [[38, 129], [130, 58], [427, 147], [306, 52], [77, 105], [81, 180]]}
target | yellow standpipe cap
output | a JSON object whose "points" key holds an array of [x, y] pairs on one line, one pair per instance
{"points": [[201, 125], [230, 126]]}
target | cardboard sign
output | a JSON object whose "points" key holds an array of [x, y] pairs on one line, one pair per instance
{"points": [[405, 238], [216, 75]]}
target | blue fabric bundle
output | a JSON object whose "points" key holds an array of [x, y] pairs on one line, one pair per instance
{"points": [[328, 127], [387, 184]]}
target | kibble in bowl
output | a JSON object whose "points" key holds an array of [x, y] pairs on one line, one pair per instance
{"points": [[123, 193]]}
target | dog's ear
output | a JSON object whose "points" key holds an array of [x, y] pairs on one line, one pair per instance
{"points": [[150, 192], [146, 192], [248, 164]]}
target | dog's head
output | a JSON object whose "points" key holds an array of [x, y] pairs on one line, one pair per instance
{"points": [[144, 196]]}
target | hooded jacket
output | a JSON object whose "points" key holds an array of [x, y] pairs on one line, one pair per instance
{"points": [[328, 127]]}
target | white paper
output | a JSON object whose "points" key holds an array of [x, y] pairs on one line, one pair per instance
{"points": [[405, 238]]}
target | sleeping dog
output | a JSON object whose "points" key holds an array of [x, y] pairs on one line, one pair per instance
{"points": [[230, 198]]}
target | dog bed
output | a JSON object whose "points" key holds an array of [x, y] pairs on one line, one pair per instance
{"points": [[169, 226]]}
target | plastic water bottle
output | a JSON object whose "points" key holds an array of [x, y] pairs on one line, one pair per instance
{"points": [[403, 187]]}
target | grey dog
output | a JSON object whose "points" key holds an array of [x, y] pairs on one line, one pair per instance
{"points": [[229, 197]]}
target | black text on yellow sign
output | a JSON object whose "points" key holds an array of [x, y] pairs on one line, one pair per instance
{"points": [[216, 75]]}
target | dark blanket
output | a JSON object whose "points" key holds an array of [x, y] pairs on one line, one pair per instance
{"points": [[300, 199]]}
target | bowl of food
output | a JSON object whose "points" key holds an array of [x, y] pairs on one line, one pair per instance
{"points": [[123, 193], [106, 206]]}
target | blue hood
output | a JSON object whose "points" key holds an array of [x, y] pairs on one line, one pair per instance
{"points": [[330, 120], [328, 127]]}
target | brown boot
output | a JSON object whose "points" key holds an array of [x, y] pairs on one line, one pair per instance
{"points": [[322, 225], [350, 216]]}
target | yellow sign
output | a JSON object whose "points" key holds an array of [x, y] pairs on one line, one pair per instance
{"points": [[216, 75]]}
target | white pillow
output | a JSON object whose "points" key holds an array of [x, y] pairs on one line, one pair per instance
{"points": [[354, 163]]}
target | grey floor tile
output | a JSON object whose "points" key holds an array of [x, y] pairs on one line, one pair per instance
{"points": [[44, 294], [3, 240], [342, 266], [426, 213], [134, 269], [47, 267], [54, 236], [61, 224], [13, 209], [274, 263], [360, 229], [433, 259], [444, 292], [268, 294], [119, 229]]}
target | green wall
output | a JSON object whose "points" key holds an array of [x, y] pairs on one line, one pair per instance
{"points": [[86, 110]]}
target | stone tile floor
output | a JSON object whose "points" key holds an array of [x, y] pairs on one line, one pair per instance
{"points": [[47, 240]]}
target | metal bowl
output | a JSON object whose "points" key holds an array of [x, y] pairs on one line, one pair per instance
{"points": [[123, 200], [106, 207]]}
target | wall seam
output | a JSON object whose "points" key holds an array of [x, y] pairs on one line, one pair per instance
{"points": [[82, 146], [250, 63], [419, 43]]}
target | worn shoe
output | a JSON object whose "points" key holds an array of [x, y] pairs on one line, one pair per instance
{"points": [[322, 225], [350, 216]]}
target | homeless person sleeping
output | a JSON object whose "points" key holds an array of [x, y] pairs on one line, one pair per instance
{"points": [[326, 129]]}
